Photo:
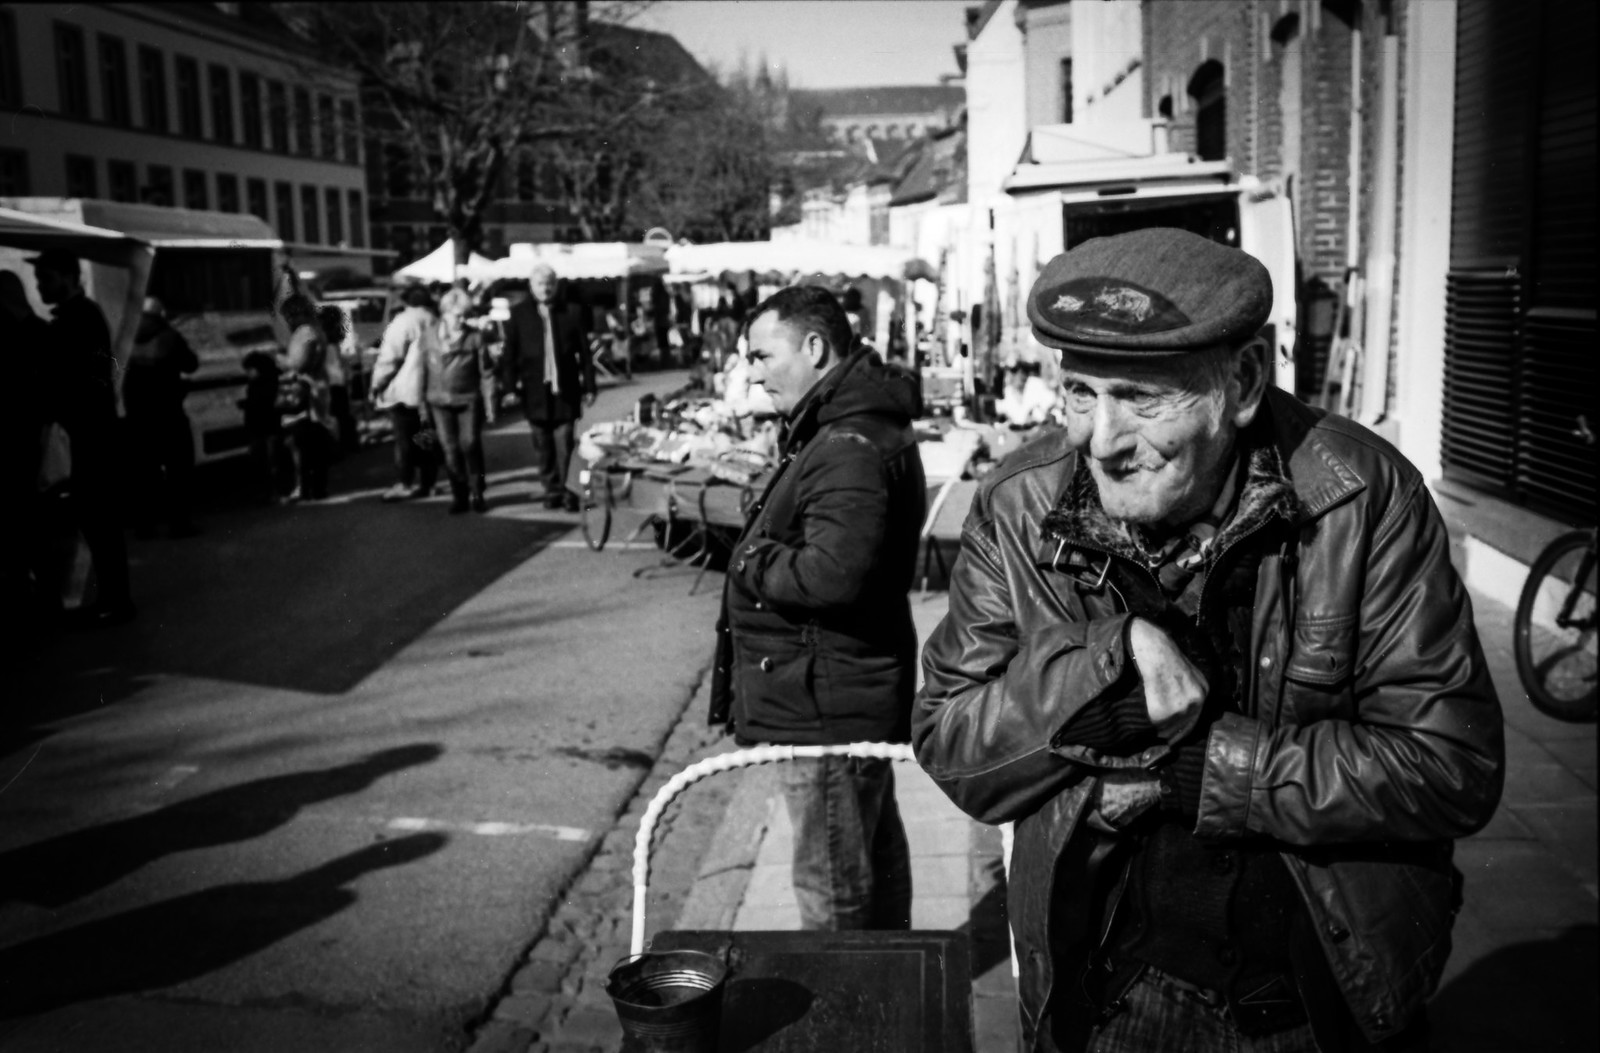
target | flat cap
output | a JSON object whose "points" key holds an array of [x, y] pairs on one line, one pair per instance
{"points": [[58, 261], [1156, 291]]}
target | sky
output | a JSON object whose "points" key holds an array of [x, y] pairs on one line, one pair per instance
{"points": [[823, 43]]}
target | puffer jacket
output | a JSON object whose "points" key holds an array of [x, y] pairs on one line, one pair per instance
{"points": [[1370, 738], [815, 644]]}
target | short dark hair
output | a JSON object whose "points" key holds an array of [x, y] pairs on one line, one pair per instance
{"points": [[297, 310], [812, 309], [418, 296]]}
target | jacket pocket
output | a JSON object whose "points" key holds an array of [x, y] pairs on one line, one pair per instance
{"points": [[1318, 673], [775, 683], [856, 681]]}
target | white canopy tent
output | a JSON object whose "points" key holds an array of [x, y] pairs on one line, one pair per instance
{"points": [[588, 260], [440, 266], [28, 232], [782, 260]]}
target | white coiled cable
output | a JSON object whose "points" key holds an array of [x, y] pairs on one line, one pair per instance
{"points": [[744, 758]]}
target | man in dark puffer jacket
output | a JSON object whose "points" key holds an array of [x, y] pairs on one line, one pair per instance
{"points": [[815, 644]]}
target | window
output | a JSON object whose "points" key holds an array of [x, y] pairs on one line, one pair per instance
{"points": [[327, 134], [358, 221], [82, 179], [398, 172], [350, 132], [283, 205], [194, 189], [124, 180], [153, 88], [114, 103], [335, 216], [525, 184], [255, 198], [14, 173], [10, 71], [72, 71], [158, 186], [277, 117], [250, 109], [227, 192], [302, 121], [221, 103], [374, 166], [308, 213], [1066, 91], [188, 82], [1209, 90]]}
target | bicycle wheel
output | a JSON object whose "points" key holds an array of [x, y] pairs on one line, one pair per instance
{"points": [[594, 510], [1554, 632]]}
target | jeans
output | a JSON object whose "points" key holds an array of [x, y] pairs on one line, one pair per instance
{"points": [[1164, 1013], [852, 866], [460, 431], [413, 465]]}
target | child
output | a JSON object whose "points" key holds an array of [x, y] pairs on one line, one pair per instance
{"points": [[260, 405]]}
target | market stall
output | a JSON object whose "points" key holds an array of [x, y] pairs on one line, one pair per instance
{"points": [[627, 266], [440, 266]]}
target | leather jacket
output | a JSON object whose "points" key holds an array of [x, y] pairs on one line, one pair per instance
{"points": [[816, 645], [1371, 735]]}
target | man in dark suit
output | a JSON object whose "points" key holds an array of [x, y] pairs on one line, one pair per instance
{"points": [[547, 360]]}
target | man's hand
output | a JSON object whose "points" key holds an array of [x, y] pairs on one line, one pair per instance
{"points": [[1173, 685]]}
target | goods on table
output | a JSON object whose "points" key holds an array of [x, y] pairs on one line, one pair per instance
{"points": [[701, 433]]}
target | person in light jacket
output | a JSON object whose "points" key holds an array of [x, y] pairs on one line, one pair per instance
{"points": [[455, 398], [399, 381]]}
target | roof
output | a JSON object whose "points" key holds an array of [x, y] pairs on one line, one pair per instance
{"points": [[181, 227], [861, 102], [936, 170], [783, 259], [978, 17], [24, 230]]}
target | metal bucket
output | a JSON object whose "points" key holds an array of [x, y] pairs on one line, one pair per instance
{"points": [[668, 1001]]}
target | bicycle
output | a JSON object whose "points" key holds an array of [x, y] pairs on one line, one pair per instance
{"points": [[1553, 634]]}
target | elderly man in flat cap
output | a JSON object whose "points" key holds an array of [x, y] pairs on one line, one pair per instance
{"points": [[1206, 649]]}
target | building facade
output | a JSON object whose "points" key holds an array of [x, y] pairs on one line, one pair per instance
{"points": [[185, 105], [891, 112]]}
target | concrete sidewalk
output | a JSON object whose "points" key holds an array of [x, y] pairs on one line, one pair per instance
{"points": [[1523, 972]]}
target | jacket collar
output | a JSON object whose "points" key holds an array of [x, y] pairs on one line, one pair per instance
{"points": [[1292, 474]]}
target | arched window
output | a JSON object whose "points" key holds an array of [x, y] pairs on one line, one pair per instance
{"points": [[1209, 93], [1164, 107], [892, 132]]}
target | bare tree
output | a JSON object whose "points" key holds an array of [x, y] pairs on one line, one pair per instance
{"points": [[460, 87]]}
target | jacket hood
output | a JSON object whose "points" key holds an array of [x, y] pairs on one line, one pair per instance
{"points": [[863, 383]]}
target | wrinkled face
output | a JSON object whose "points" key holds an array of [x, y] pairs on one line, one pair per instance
{"points": [[542, 284], [1158, 442], [785, 360]]}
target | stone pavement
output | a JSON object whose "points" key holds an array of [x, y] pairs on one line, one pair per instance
{"points": [[1522, 976]]}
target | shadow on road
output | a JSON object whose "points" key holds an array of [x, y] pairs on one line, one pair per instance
{"points": [[179, 939], [53, 873], [1531, 996]]}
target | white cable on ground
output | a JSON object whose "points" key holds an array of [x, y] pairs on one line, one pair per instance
{"points": [[744, 758]]}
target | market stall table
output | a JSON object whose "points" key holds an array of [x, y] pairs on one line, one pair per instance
{"points": [[868, 992]]}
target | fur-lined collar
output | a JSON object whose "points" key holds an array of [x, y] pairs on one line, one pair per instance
{"points": [[1079, 520]]}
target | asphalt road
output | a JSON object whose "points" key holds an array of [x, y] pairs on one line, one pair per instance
{"points": [[328, 786]]}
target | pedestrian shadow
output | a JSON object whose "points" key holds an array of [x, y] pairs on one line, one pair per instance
{"points": [[987, 925], [53, 873], [1532, 996], [180, 939]]}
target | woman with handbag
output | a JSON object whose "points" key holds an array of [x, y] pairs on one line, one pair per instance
{"points": [[455, 399], [304, 403], [399, 379]]}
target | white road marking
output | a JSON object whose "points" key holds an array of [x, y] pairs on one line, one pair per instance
{"points": [[173, 776], [492, 829]]}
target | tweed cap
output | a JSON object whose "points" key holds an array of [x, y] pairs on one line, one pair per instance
{"points": [[1156, 291]]}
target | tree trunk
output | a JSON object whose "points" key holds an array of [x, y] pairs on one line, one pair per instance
{"points": [[463, 252]]}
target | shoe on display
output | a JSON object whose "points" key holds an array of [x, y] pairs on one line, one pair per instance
{"points": [[397, 492]]}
